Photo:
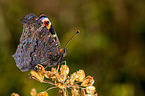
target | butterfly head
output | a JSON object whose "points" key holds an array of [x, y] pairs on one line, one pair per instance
{"points": [[63, 51], [45, 20]]}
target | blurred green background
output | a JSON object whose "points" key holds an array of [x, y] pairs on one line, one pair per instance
{"points": [[110, 47]]}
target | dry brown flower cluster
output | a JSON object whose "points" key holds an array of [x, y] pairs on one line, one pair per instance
{"points": [[78, 83]]}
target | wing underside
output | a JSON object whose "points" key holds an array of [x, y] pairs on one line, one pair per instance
{"points": [[37, 45]]}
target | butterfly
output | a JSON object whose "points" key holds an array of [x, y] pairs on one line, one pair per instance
{"points": [[39, 44]]}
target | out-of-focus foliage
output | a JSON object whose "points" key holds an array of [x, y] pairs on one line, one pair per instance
{"points": [[110, 46]]}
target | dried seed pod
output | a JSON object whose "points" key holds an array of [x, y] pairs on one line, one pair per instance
{"points": [[33, 92], [64, 69], [88, 81], [42, 94], [80, 76], [90, 89], [37, 76], [15, 94]]}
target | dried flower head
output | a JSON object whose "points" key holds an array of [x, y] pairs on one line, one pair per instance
{"points": [[42, 94], [79, 85], [82, 92], [53, 70], [88, 81], [61, 78], [15, 94], [59, 84], [40, 69], [33, 92], [75, 92], [90, 89], [64, 69], [72, 78], [37, 76], [80, 76]]}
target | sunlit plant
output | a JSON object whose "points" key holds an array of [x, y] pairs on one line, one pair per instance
{"points": [[77, 82]]}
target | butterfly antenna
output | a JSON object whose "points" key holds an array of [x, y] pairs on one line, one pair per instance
{"points": [[72, 38]]}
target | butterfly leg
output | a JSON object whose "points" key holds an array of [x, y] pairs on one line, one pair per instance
{"points": [[58, 67]]}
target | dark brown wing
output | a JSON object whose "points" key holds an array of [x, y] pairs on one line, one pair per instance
{"points": [[37, 45]]}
